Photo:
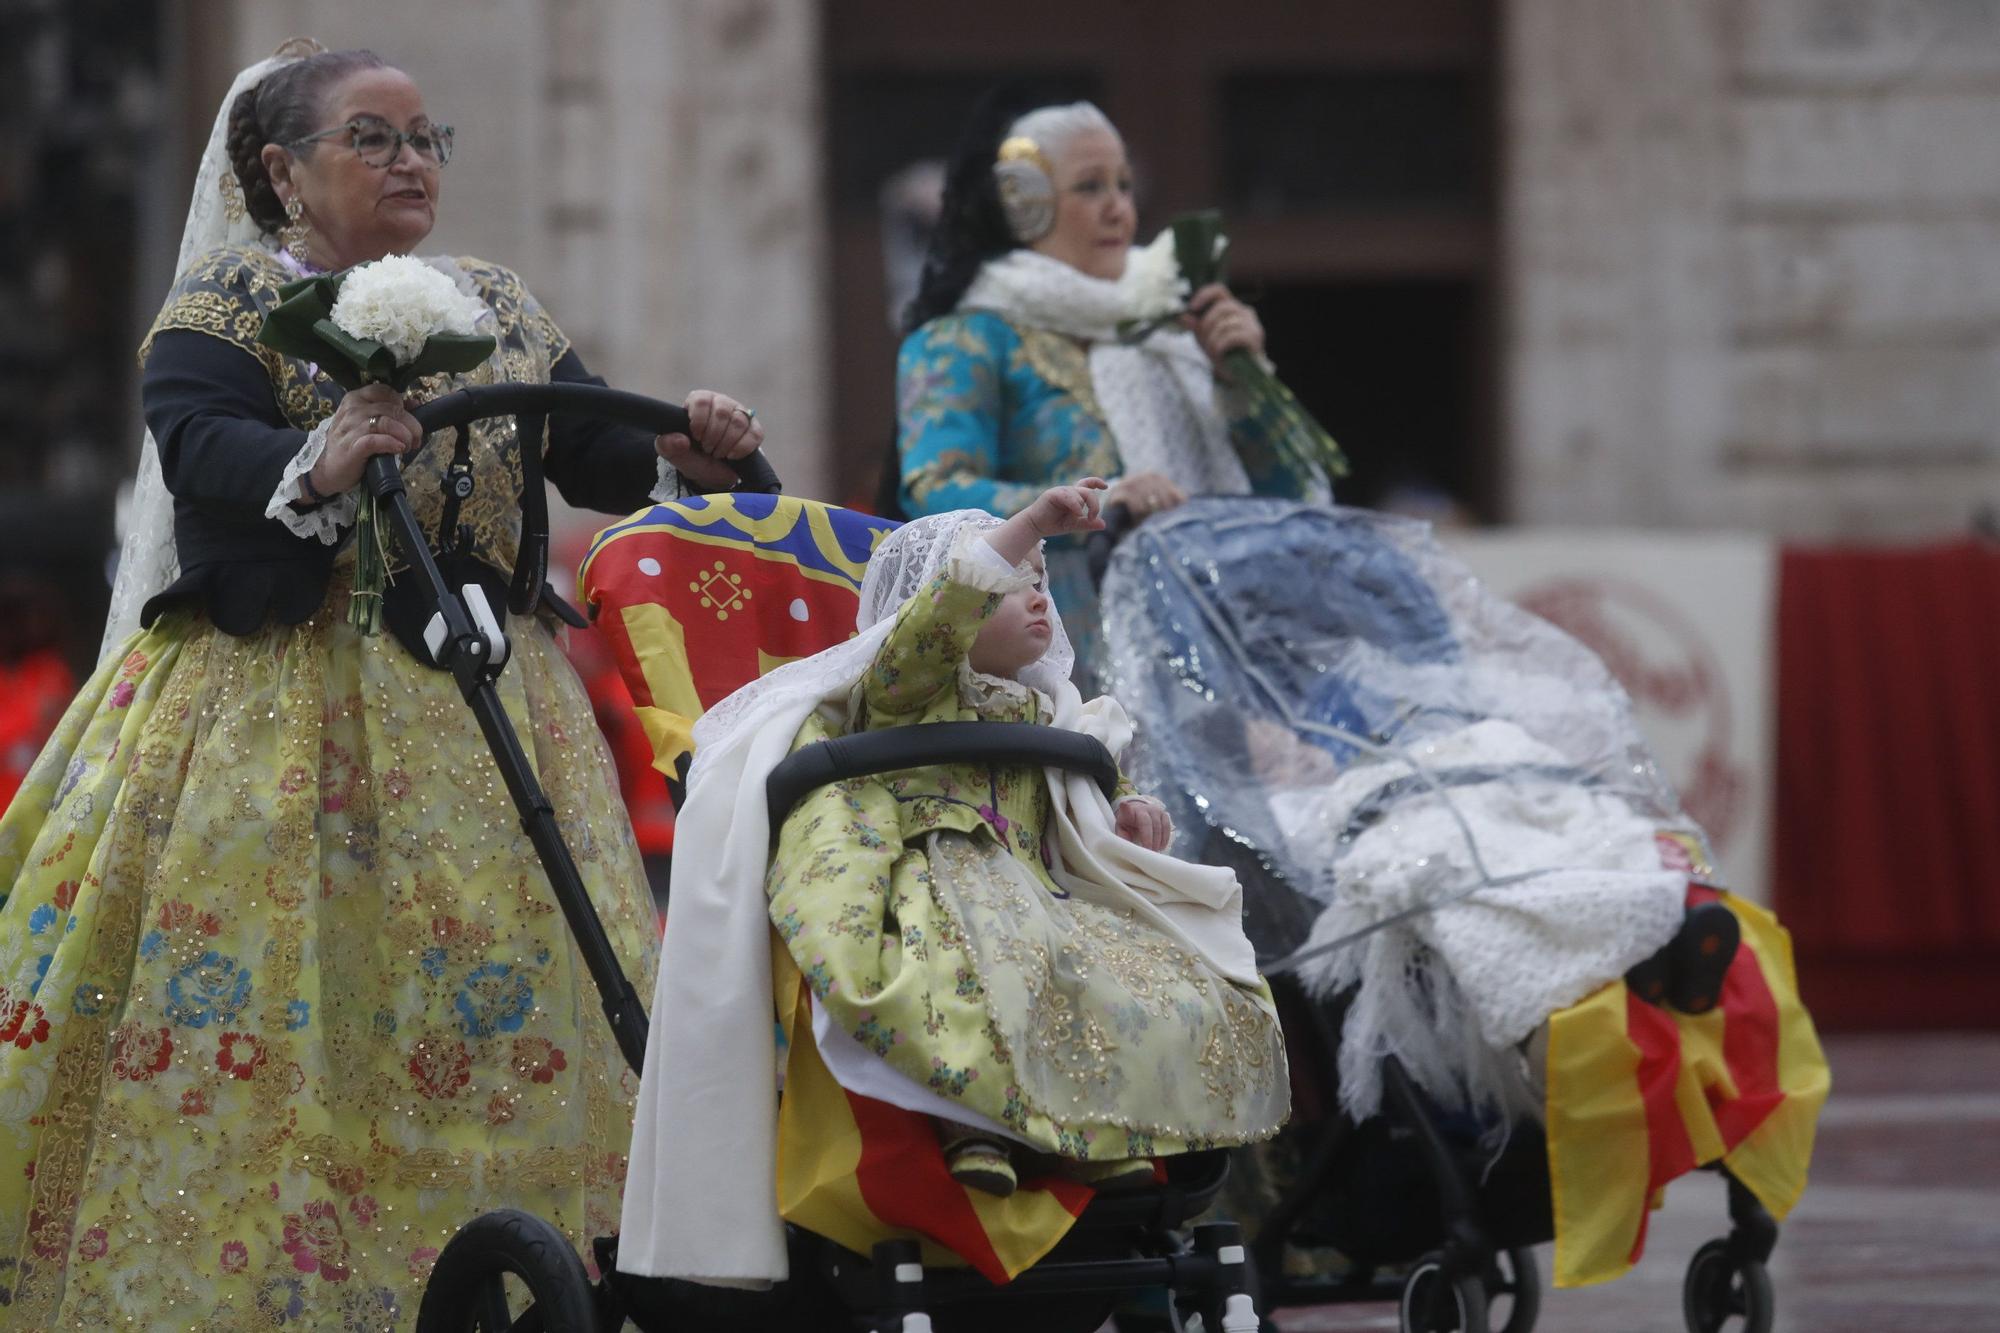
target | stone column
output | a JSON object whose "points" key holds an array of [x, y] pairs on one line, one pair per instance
{"points": [[716, 252], [1615, 168], [1865, 268], [1753, 250]]}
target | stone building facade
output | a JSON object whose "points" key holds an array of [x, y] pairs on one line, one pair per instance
{"points": [[1750, 249], [1753, 254]]}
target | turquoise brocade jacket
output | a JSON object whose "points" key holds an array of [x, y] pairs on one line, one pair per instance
{"points": [[990, 414]]}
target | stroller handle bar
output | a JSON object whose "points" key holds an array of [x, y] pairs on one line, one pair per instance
{"points": [[467, 652], [589, 400], [872, 752]]}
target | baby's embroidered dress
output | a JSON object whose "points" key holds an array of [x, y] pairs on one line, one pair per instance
{"points": [[921, 910]]}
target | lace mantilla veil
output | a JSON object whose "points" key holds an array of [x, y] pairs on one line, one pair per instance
{"points": [[147, 559], [901, 567]]}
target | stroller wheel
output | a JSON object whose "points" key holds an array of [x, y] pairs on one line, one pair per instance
{"points": [[1720, 1288], [1435, 1301], [507, 1270], [1514, 1277]]}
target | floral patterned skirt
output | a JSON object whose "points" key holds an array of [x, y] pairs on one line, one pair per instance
{"points": [[1080, 1028], [285, 997]]}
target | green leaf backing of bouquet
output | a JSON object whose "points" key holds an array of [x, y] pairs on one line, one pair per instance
{"points": [[301, 325], [1201, 251], [1196, 251]]}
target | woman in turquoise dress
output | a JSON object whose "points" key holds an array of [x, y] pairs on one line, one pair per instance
{"points": [[285, 996], [1013, 374]]}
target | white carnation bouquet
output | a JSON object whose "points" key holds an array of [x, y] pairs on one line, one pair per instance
{"points": [[1158, 280], [1154, 290], [392, 321], [402, 303]]}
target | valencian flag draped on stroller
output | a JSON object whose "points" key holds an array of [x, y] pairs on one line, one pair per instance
{"points": [[1439, 805], [749, 582], [760, 579]]}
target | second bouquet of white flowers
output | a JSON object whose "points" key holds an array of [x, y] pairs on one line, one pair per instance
{"points": [[1158, 280], [392, 321]]}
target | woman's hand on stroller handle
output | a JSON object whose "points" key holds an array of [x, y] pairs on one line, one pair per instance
{"points": [[1147, 493], [478, 402], [720, 431]]}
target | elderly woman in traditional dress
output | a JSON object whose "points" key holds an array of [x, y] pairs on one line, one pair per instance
{"points": [[285, 996], [1014, 376]]}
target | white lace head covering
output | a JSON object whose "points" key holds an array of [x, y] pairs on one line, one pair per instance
{"points": [[901, 567], [147, 559], [909, 558]]}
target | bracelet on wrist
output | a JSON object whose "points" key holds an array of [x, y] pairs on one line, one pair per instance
{"points": [[310, 491]]}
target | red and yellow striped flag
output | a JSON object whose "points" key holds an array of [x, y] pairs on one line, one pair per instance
{"points": [[1639, 1095], [859, 1171]]}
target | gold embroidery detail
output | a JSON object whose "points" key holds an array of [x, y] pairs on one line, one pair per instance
{"points": [[1063, 362], [721, 590]]}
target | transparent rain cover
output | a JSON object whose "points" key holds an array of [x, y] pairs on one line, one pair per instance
{"points": [[1418, 782]]}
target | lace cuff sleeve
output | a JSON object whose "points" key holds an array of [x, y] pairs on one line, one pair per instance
{"points": [[668, 487], [324, 520], [974, 562]]}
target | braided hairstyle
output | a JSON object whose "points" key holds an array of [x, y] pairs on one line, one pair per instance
{"points": [[971, 228], [282, 109]]}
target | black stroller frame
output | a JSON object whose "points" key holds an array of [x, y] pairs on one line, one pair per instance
{"points": [[1122, 1243], [1484, 1252]]}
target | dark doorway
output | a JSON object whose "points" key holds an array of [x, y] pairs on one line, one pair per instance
{"points": [[1394, 369]]}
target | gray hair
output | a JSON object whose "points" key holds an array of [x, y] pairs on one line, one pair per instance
{"points": [[1027, 157]]}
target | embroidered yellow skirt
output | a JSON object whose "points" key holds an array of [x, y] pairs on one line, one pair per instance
{"points": [[1081, 1030], [285, 998]]}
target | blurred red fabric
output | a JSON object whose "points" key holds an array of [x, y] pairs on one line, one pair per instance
{"points": [[1888, 783], [639, 783], [33, 693]]}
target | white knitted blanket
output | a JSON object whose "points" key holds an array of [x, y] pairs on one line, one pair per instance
{"points": [[1454, 991]]}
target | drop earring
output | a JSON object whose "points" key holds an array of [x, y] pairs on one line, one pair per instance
{"points": [[295, 231]]}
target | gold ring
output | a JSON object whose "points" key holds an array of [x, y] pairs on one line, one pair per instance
{"points": [[373, 422]]}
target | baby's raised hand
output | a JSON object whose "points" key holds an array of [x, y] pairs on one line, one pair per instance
{"points": [[1061, 510], [1057, 510]]}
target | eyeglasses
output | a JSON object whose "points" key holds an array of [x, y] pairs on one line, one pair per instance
{"points": [[379, 143]]}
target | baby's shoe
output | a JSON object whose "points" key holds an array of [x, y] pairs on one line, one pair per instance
{"points": [[1687, 972], [981, 1164], [1699, 957]]}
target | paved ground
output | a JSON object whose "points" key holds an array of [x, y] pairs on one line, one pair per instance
{"points": [[1899, 1228]]}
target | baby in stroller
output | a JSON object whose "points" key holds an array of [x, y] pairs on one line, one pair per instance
{"points": [[1000, 948], [1464, 823], [1449, 824]]}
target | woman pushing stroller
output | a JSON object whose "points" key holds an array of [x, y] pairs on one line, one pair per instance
{"points": [[1000, 948]]}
